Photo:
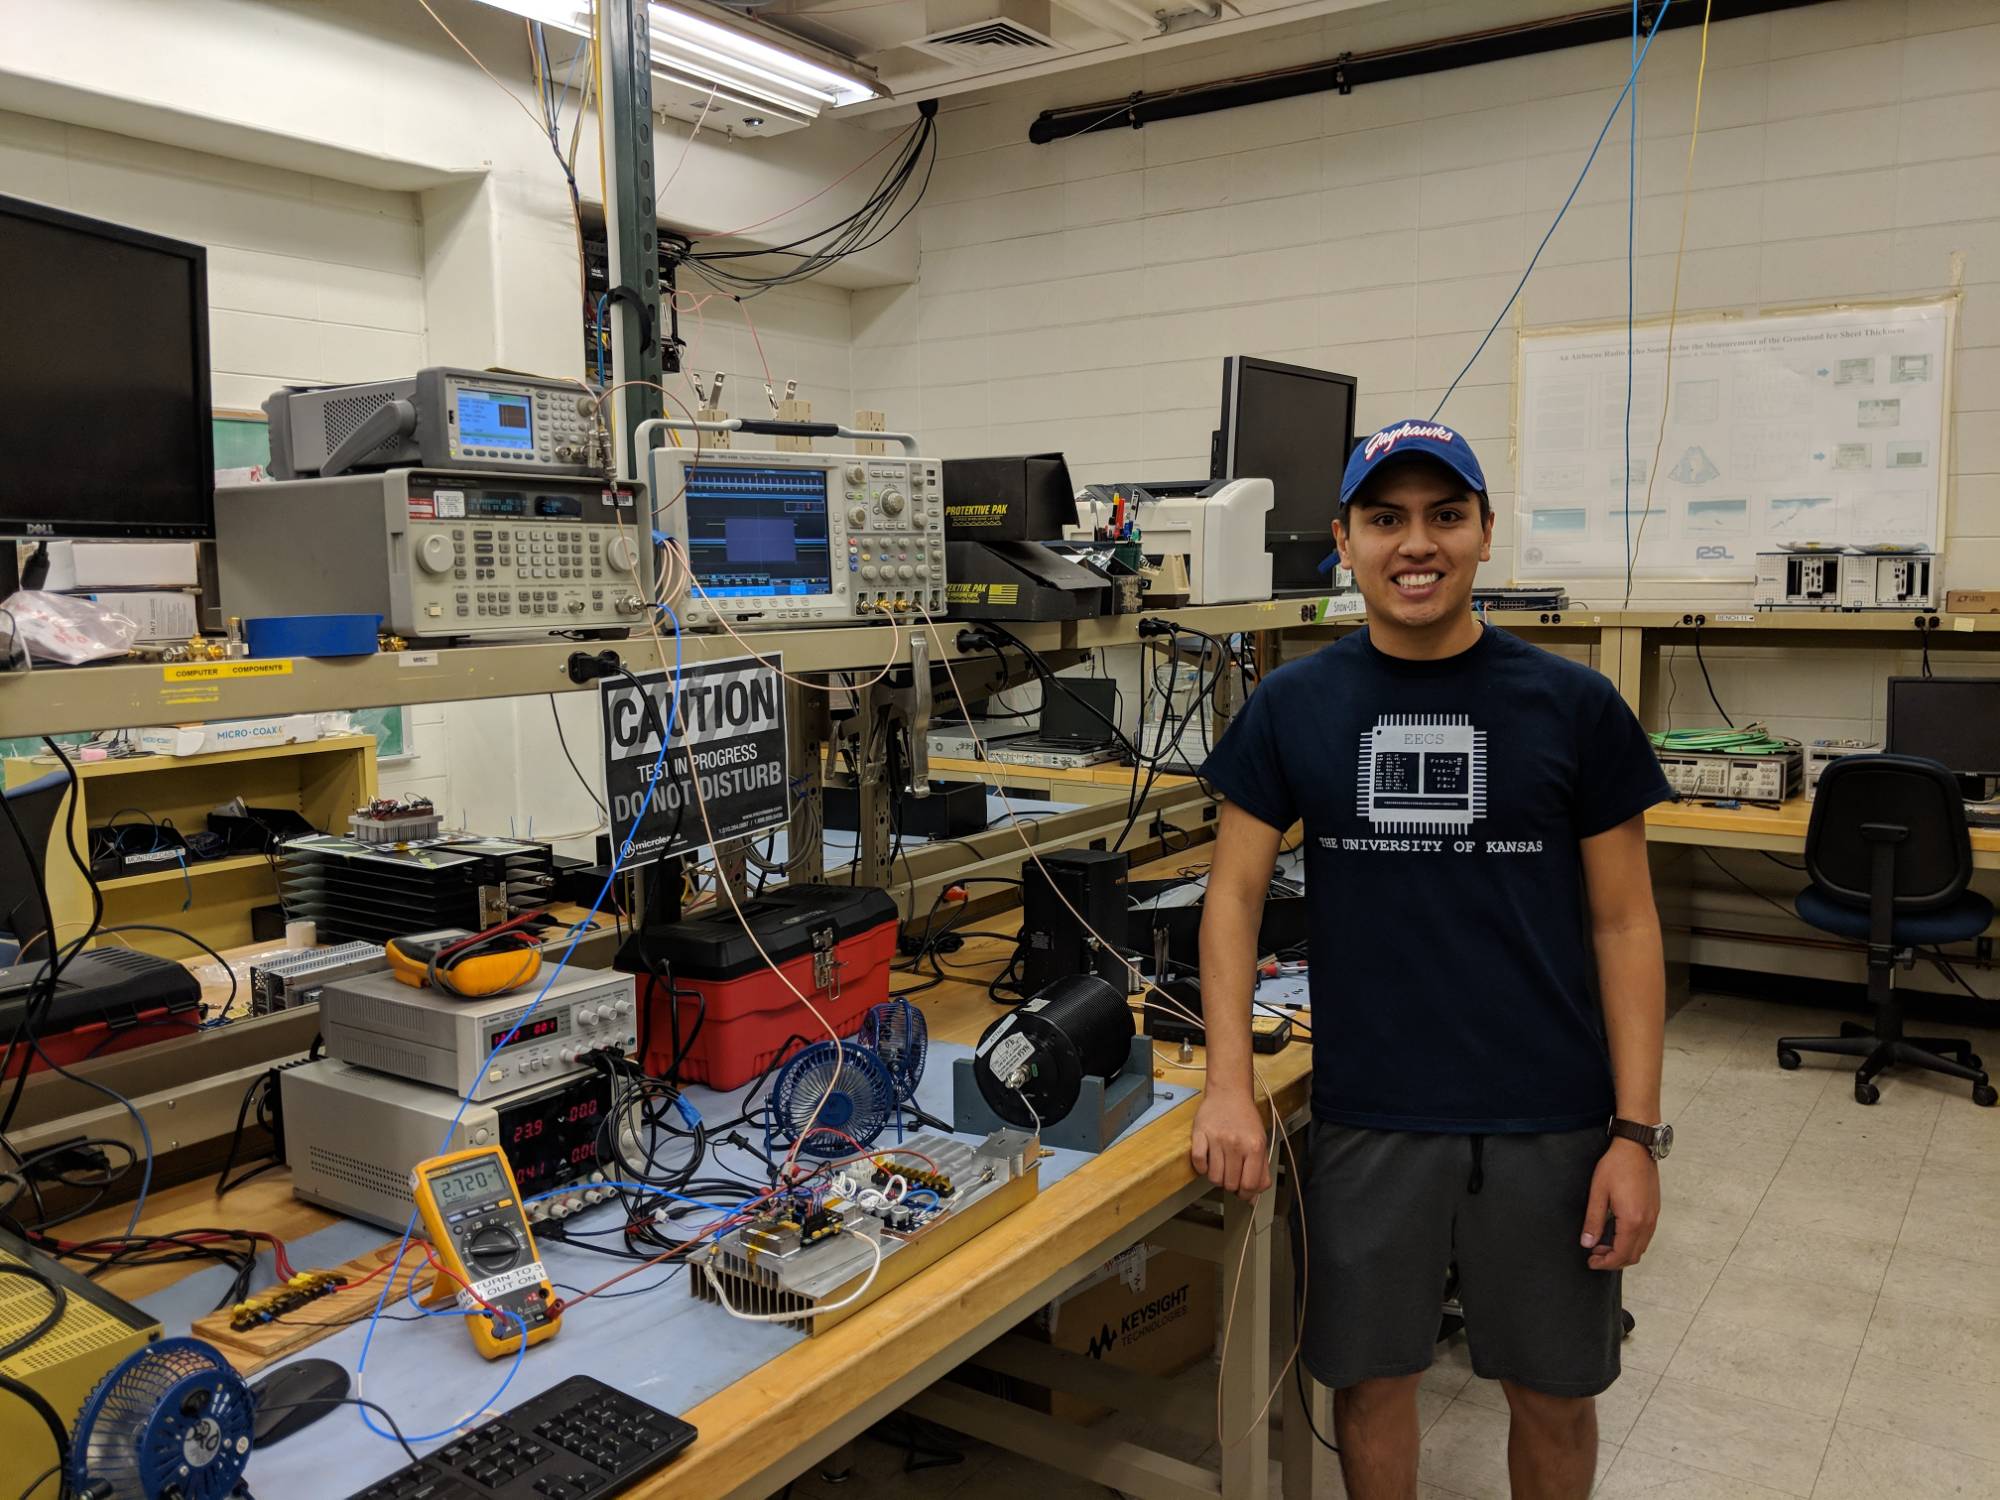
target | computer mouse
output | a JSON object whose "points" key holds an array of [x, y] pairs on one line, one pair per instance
{"points": [[295, 1396]]}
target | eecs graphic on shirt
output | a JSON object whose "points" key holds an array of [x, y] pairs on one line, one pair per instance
{"points": [[1421, 784]]}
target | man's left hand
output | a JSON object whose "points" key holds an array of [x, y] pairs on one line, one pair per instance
{"points": [[1625, 1190]]}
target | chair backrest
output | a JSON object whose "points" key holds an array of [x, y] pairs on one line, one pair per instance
{"points": [[1918, 798]]}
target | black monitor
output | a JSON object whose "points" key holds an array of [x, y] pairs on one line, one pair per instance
{"points": [[34, 805], [1954, 721], [104, 380], [1293, 426]]}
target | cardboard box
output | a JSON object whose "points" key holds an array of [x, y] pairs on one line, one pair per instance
{"points": [[160, 614], [81, 566], [1972, 602], [229, 734], [1025, 498], [1149, 1310]]}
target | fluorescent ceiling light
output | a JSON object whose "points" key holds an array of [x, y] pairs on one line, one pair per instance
{"points": [[735, 63]]}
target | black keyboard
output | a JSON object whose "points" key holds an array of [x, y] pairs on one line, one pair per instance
{"points": [[576, 1441], [1982, 817]]}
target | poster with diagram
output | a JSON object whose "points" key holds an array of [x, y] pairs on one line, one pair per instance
{"points": [[1824, 427]]}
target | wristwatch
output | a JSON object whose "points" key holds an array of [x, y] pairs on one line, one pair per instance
{"points": [[1657, 1139]]}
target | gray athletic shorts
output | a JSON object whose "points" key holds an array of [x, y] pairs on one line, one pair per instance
{"points": [[1388, 1213]]}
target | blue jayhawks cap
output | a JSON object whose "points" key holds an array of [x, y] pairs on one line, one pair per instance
{"points": [[1410, 438]]}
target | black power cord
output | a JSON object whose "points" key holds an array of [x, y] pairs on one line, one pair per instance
{"points": [[581, 780], [379, 1411], [58, 1303], [50, 1420], [1706, 679]]}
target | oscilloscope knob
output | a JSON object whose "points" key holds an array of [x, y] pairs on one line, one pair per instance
{"points": [[856, 474], [858, 516], [621, 554], [892, 502], [434, 555]]}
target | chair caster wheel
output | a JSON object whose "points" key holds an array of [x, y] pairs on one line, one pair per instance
{"points": [[1866, 1093], [1787, 1059], [1975, 1062], [1984, 1095], [1625, 1317]]}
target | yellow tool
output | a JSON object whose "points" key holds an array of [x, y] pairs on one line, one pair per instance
{"points": [[471, 965], [485, 1251]]}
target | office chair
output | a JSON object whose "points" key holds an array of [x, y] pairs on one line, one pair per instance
{"points": [[1889, 859]]}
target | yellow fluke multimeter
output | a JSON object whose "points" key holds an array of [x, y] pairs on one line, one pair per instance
{"points": [[472, 1212]]}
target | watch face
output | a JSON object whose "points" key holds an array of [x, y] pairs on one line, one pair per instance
{"points": [[1663, 1142]]}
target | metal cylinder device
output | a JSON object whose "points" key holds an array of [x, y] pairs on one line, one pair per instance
{"points": [[1030, 1064]]}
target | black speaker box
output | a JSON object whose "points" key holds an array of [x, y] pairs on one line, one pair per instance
{"points": [[1054, 942]]}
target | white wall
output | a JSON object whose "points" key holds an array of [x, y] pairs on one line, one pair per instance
{"points": [[1079, 295], [308, 279]]}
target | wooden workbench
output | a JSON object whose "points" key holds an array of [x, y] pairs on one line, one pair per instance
{"points": [[1781, 830], [781, 1418]]}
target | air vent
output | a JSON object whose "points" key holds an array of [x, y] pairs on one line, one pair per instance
{"points": [[1000, 42]]}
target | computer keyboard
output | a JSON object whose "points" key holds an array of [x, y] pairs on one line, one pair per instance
{"points": [[576, 1441], [1983, 817]]}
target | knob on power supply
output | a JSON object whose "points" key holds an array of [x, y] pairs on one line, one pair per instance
{"points": [[434, 554]]}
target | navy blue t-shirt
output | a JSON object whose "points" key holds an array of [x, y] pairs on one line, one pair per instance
{"points": [[1444, 802]]}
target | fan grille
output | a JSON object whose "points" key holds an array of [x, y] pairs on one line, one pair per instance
{"points": [[900, 1036], [174, 1414], [808, 1094]]}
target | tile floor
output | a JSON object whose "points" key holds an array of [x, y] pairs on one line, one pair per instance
{"points": [[1818, 1316]]}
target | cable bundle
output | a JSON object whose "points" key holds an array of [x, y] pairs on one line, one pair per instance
{"points": [[858, 231], [1752, 739]]}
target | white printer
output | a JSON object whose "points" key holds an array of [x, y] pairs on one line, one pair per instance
{"points": [[1218, 534]]}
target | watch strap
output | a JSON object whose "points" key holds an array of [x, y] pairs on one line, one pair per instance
{"points": [[1646, 1135]]}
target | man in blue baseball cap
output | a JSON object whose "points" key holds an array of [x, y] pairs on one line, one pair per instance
{"points": [[1488, 992]]}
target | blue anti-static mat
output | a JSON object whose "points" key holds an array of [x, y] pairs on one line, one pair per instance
{"points": [[662, 1346]]}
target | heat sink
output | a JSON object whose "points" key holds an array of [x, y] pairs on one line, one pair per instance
{"points": [[95, 1333], [359, 892], [989, 1181]]}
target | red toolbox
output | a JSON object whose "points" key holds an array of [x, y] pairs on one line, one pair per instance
{"points": [[834, 942]]}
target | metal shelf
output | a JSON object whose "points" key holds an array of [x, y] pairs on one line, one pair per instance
{"points": [[61, 700], [1872, 622]]}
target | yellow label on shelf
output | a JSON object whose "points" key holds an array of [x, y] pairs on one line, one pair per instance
{"points": [[215, 671]]}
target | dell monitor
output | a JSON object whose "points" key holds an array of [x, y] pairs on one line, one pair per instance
{"points": [[1954, 721], [1293, 426], [104, 379]]}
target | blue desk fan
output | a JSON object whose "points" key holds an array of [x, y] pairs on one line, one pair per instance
{"points": [[827, 1087], [900, 1036], [172, 1422]]}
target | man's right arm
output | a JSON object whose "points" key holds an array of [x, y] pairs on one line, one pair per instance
{"points": [[1229, 1144]]}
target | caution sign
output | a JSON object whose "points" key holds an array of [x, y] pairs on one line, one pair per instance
{"points": [[729, 729]]}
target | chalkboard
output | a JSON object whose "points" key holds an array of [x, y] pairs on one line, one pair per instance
{"points": [[241, 441]]}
